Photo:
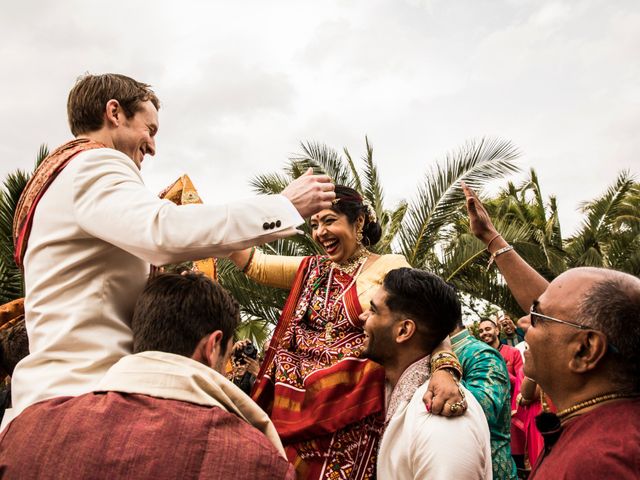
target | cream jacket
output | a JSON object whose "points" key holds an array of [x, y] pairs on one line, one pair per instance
{"points": [[95, 232]]}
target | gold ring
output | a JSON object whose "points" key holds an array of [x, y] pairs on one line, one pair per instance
{"points": [[454, 407]]}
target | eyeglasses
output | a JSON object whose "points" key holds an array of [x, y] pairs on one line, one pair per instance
{"points": [[535, 316]]}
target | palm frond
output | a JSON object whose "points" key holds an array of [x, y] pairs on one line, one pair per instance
{"points": [[11, 279], [440, 195], [391, 223], [43, 152], [324, 159], [604, 215], [269, 183], [357, 182], [372, 189]]}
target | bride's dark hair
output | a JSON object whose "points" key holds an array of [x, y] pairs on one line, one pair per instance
{"points": [[351, 204]]}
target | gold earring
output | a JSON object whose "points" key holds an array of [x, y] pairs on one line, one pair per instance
{"points": [[359, 236]]}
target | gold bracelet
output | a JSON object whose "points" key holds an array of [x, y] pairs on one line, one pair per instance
{"points": [[249, 260], [497, 253], [447, 360], [491, 241]]}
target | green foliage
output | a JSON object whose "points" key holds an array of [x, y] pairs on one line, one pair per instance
{"points": [[11, 279], [609, 237], [414, 228], [431, 228]]}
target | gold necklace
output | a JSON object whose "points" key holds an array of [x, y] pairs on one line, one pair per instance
{"points": [[353, 262], [353, 266], [563, 414]]}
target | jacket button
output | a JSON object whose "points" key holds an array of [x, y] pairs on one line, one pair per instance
{"points": [[278, 224], [272, 225], [265, 225]]}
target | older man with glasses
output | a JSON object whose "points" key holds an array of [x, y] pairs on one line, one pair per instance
{"points": [[584, 351]]}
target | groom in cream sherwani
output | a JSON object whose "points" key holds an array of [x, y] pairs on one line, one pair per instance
{"points": [[87, 229]]}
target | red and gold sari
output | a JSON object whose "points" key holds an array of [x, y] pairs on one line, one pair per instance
{"points": [[325, 401]]}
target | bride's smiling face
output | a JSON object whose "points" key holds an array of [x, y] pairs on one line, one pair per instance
{"points": [[337, 236]]}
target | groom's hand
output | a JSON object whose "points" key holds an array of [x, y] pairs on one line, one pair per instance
{"points": [[310, 193]]}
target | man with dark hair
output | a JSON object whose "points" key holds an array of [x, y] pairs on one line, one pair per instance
{"points": [[86, 230], [485, 375], [410, 314], [584, 352], [511, 335], [165, 411]]}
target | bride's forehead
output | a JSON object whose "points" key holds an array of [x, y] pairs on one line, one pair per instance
{"points": [[326, 213]]}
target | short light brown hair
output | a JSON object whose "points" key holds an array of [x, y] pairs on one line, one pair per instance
{"points": [[89, 96]]}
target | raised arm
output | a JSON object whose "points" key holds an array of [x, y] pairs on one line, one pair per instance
{"points": [[271, 270], [525, 283]]}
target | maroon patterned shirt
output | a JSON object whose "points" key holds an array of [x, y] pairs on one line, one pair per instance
{"points": [[601, 444], [115, 435]]}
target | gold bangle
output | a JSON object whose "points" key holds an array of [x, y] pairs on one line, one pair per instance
{"points": [[491, 241], [497, 253], [249, 260], [447, 360]]}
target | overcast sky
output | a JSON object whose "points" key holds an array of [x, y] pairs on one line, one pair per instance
{"points": [[243, 82]]}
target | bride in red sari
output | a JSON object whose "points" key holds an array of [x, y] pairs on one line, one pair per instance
{"points": [[327, 402]]}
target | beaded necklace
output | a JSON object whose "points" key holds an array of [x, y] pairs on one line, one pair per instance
{"points": [[568, 412]]}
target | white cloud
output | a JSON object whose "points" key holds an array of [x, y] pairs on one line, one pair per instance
{"points": [[242, 83]]}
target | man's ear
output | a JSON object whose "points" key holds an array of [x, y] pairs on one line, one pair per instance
{"points": [[589, 348], [214, 350], [405, 330], [113, 113]]}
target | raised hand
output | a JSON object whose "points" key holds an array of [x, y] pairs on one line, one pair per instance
{"points": [[479, 220], [310, 193]]}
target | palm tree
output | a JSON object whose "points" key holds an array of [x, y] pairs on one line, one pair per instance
{"points": [[11, 280], [415, 228], [609, 237], [610, 234]]}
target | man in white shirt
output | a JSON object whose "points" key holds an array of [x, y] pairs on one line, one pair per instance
{"points": [[411, 313], [87, 247]]}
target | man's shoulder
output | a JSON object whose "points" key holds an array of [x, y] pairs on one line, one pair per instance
{"points": [[478, 351], [508, 350], [418, 414], [437, 442], [611, 435], [391, 261], [100, 159]]}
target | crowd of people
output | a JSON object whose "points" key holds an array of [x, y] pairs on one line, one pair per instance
{"points": [[370, 371]]}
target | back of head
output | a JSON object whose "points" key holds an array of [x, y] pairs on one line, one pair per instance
{"points": [[425, 298], [89, 96], [350, 203], [174, 312], [612, 306]]}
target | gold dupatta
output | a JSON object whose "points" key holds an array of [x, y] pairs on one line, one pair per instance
{"points": [[183, 192]]}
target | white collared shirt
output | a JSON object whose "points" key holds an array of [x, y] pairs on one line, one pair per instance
{"points": [[419, 445]]}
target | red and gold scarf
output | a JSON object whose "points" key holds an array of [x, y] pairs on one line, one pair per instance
{"points": [[331, 416], [42, 178]]}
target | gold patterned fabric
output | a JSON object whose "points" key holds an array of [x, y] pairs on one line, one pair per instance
{"points": [[182, 192], [325, 401]]}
